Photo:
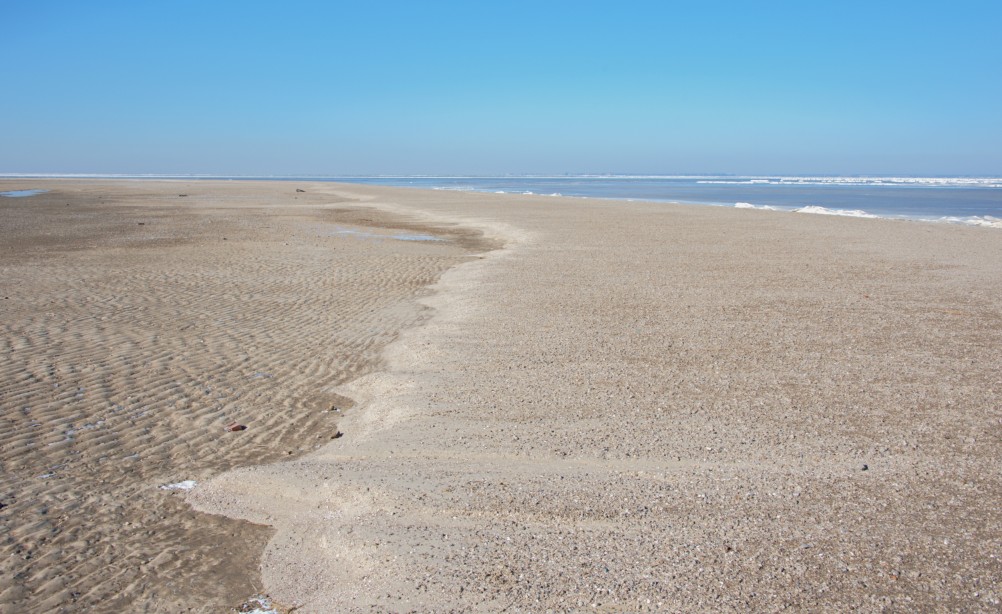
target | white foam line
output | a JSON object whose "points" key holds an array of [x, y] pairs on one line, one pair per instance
{"points": [[816, 210], [985, 221], [758, 207]]}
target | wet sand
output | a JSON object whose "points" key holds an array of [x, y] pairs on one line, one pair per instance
{"points": [[137, 324], [629, 407]]}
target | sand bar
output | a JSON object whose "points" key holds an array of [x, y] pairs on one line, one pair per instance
{"points": [[648, 407], [639, 406]]}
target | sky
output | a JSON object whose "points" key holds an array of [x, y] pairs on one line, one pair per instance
{"points": [[446, 88]]}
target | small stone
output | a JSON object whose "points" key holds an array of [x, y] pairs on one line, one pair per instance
{"points": [[233, 427]]}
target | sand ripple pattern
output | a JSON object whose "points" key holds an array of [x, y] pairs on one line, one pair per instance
{"points": [[134, 329]]}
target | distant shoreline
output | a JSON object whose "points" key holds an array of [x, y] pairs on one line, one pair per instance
{"points": [[971, 201], [213, 176]]}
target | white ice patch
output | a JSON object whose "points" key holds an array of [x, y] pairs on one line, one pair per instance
{"points": [[185, 485]]}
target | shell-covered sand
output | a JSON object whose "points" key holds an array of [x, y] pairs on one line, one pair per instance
{"points": [[639, 406], [627, 407]]}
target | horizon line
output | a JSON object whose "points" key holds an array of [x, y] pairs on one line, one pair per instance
{"points": [[17, 175]]}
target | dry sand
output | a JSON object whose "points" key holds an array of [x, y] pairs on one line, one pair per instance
{"points": [[137, 323], [629, 407]]}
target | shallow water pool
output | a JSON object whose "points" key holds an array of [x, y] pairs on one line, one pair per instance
{"points": [[398, 236], [21, 193]]}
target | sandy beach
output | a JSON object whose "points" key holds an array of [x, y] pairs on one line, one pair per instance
{"points": [[556, 405], [137, 324]]}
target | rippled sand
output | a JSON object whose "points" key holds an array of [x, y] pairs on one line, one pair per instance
{"points": [[137, 324]]}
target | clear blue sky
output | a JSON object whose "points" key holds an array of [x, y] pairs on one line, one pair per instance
{"points": [[506, 87]]}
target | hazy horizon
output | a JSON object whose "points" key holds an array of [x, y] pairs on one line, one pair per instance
{"points": [[40, 175]]}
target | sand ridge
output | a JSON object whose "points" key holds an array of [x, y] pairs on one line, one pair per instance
{"points": [[650, 407], [137, 323]]}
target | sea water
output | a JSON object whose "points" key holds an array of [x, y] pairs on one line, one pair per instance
{"points": [[962, 200], [976, 201]]}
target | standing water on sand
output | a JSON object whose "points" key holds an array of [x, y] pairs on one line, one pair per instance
{"points": [[21, 193]]}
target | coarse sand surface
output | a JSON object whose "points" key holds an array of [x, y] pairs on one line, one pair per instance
{"points": [[559, 405]]}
